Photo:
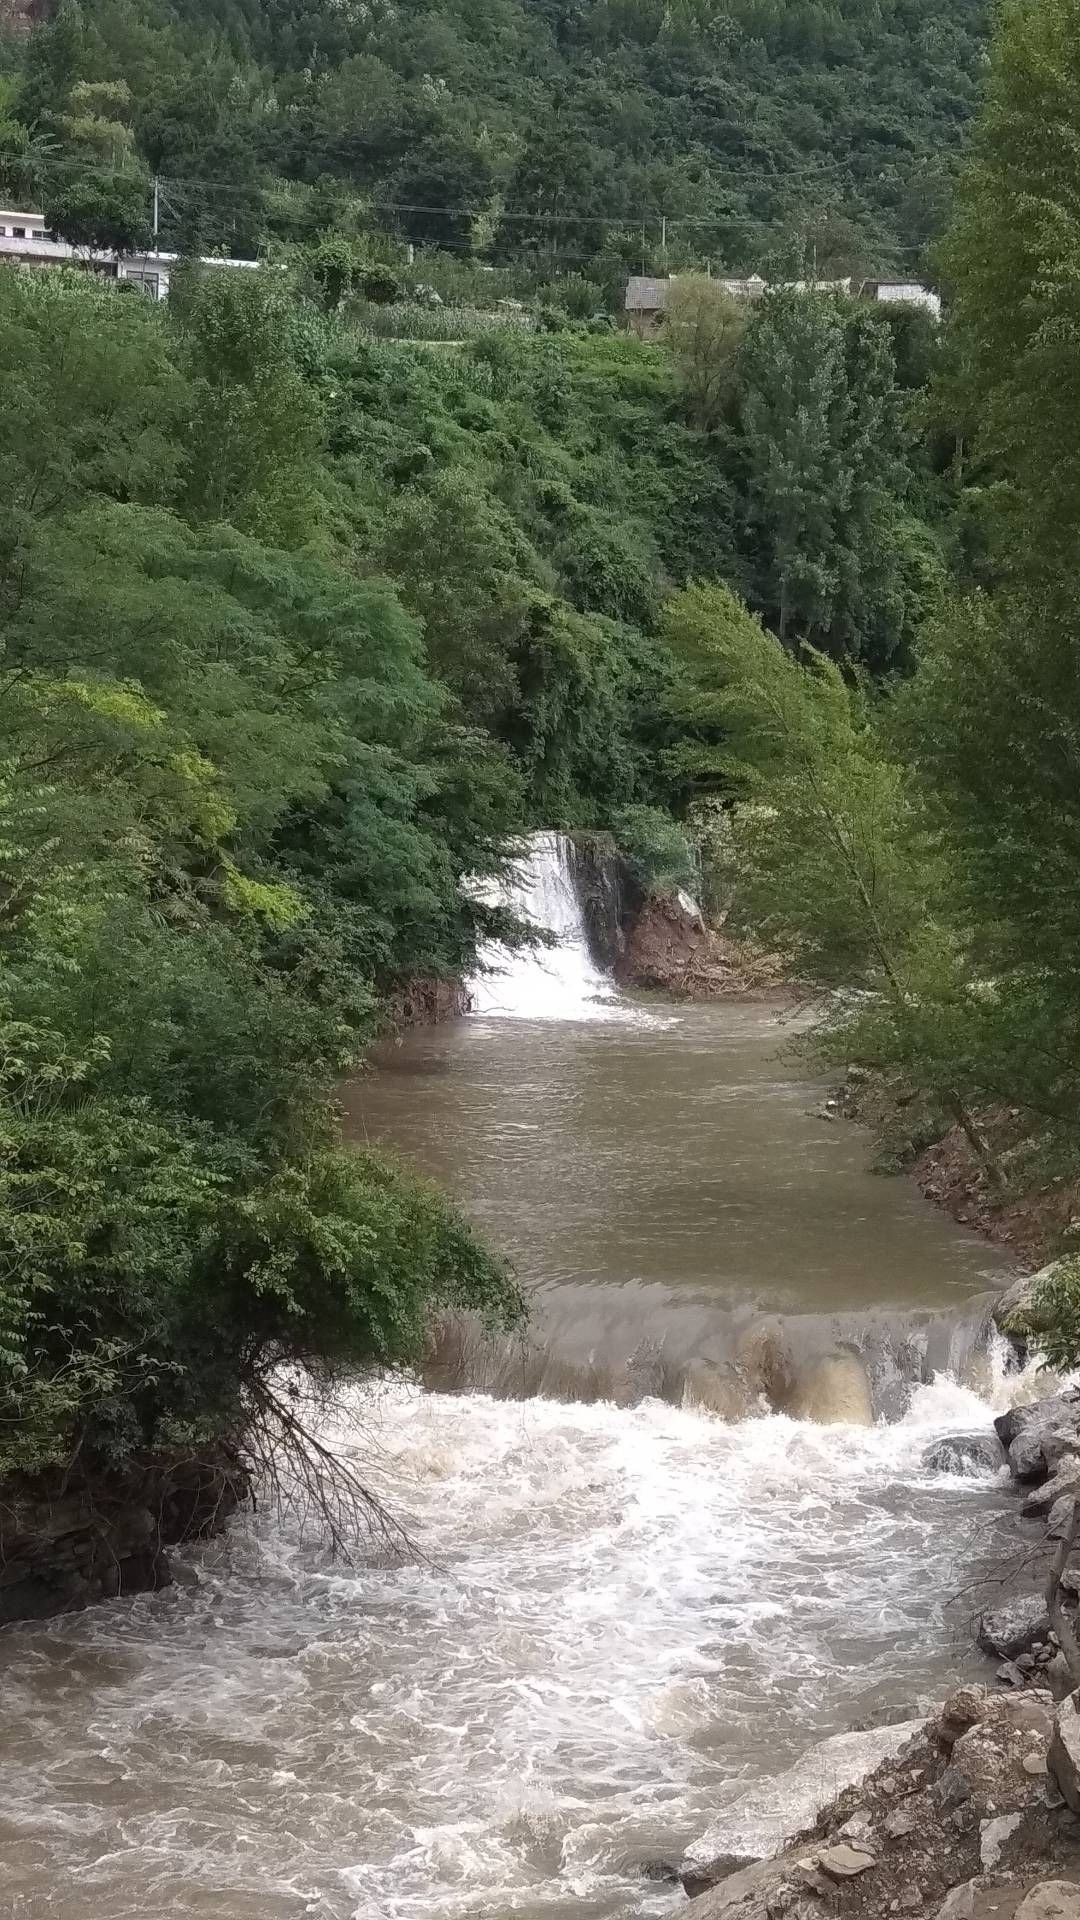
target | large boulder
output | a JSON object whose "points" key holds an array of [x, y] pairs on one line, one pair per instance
{"points": [[1014, 1627], [1040, 1438], [1057, 1410], [1051, 1900], [1017, 1312]]}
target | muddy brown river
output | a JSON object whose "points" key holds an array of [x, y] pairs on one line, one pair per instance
{"points": [[633, 1626]]}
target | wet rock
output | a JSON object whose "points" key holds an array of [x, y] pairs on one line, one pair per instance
{"points": [[1064, 1484], [645, 1373], [965, 1453], [1016, 1312], [1026, 1458], [1039, 1436], [1059, 1520], [660, 1871], [1063, 1759], [1013, 1627], [1056, 1410], [1051, 1900], [698, 1876], [845, 1862]]}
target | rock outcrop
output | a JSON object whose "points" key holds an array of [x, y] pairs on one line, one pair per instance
{"points": [[965, 1807], [669, 948]]}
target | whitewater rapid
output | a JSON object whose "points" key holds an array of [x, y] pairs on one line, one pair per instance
{"points": [[623, 1625]]}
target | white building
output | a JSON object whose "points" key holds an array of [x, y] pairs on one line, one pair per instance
{"points": [[25, 241]]}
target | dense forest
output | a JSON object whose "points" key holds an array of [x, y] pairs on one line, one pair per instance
{"points": [[536, 134], [302, 626]]}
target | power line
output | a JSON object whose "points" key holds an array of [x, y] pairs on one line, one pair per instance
{"points": [[633, 219]]}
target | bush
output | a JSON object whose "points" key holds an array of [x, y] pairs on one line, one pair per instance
{"points": [[656, 847]]}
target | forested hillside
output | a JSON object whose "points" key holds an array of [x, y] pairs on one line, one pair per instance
{"points": [[548, 135]]}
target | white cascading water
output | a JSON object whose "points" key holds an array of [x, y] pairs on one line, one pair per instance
{"points": [[557, 982]]}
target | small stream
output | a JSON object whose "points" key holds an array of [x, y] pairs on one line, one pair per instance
{"points": [[632, 1627]]}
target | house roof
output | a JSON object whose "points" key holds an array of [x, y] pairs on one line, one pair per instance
{"points": [[646, 295]]}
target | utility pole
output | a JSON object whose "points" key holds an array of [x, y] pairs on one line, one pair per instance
{"points": [[156, 213], [663, 236]]}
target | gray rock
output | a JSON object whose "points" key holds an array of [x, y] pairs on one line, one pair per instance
{"points": [[1016, 1312], [1063, 1759], [899, 1824], [1059, 1520], [1051, 1900], [661, 1870], [1036, 1437], [1026, 1458], [1013, 1627], [959, 1904], [1063, 1484], [698, 1877], [950, 1790], [993, 1835], [965, 1453], [845, 1862], [1057, 1410]]}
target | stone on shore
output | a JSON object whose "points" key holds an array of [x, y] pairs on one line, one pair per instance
{"points": [[845, 1862], [1063, 1759], [1014, 1627], [965, 1791]]}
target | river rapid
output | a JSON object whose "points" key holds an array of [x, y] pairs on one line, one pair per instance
{"points": [[631, 1627]]}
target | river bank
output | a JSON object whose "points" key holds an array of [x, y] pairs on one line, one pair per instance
{"points": [[972, 1811], [1031, 1220]]}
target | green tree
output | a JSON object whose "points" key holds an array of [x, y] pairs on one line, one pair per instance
{"points": [[821, 452], [703, 328]]}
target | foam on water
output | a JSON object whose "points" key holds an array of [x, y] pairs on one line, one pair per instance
{"points": [[628, 1623]]}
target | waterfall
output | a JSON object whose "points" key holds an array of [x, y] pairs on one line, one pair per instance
{"points": [[559, 982]]}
